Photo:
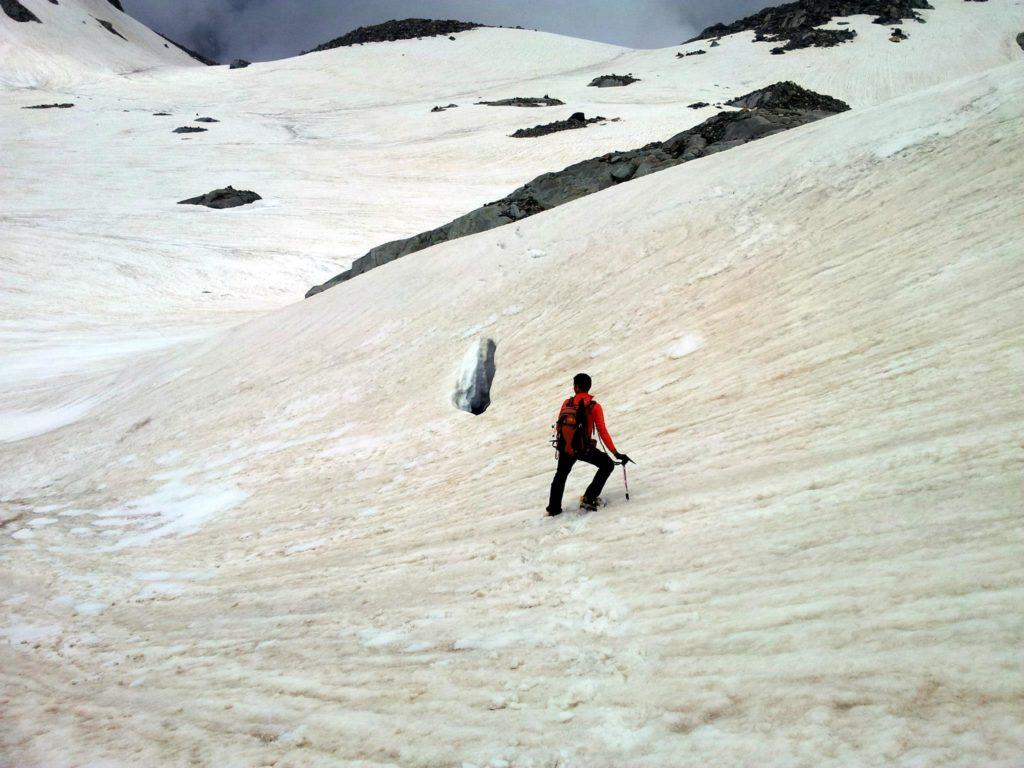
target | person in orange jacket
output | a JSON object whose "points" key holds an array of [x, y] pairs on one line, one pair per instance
{"points": [[577, 444]]}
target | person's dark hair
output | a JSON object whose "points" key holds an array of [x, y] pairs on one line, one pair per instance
{"points": [[582, 381]]}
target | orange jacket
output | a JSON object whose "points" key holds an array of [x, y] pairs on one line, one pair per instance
{"points": [[595, 419]]}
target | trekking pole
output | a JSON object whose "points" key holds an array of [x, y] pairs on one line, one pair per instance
{"points": [[625, 480]]}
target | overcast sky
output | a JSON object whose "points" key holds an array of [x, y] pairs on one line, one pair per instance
{"points": [[272, 29]]}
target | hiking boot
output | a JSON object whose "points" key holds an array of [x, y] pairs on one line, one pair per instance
{"points": [[590, 504], [553, 512]]}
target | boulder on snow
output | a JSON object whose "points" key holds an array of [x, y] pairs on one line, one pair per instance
{"points": [[189, 129], [18, 12], [524, 101], [229, 197], [898, 35], [110, 28], [206, 120], [473, 386], [239, 64], [613, 81], [50, 106], [442, 109], [698, 105], [577, 120], [1020, 40], [698, 52], [716, 134]]}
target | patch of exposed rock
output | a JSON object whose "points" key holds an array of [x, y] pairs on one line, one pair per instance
{"points": [[207, 120], [613, 81], [774, 109], [110, 28], [18, 12], [698, 52], [50, 106], [190, 129], [476, 374], [229, 197], [1020, 40], [116, 4], [525, 101], [578, 120], [404, 29], [442, 109], [239, 64], [793, 24]]}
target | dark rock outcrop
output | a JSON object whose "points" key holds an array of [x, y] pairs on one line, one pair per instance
{"points": [[898, 35], [50, 106], [442, 109], [206, 120], [116, 4], [789, 96], [197, 56], [17, 11], [239, 64], [110, 28], [1020, 40], [613, 81], [524, 101], [698, 52], [794, 23], [576, 121], [476, 374], [698, 105], [229, 197], [404, 29], [721, 132], [190, 129], [161, 114]]}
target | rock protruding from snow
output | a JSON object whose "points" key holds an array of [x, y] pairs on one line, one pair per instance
{"points": [[791, 22], [789, 95], [1020, 40], [50, 106], [473, 387], [239, 64], [723, 131], [17, 11], [613, 81], [111, 29], [197, 56], [116, 4], [524, 101], [576, 121], [189, 129], [404, 29], [229, 197], [445, 108]]}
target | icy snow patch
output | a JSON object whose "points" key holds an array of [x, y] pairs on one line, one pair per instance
{"points": [[690, 343], [18, 425]]}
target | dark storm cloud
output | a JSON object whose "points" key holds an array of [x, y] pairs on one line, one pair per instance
{"points": [[271, 29]]}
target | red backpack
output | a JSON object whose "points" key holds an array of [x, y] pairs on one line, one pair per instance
{"points": [[571, 433]]}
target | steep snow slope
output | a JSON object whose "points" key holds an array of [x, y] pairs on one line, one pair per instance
{"points": [[284, 545], [101, 265], [69, 46]]}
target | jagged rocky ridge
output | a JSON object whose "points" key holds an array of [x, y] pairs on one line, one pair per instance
{"points": [[17, 11], [111, 29], [197, 56], [404, 29], [524, 101], [578, 120], [776, 108], [794, 23]]}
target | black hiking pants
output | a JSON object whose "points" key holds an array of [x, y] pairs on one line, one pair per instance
{"points": [[599, 459]]}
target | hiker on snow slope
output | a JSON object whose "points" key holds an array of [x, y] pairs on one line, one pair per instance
{"points": [[577, 419]]}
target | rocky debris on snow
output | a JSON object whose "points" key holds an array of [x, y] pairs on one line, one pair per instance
{"points": [[699, 52], [404, 29], [815, 38], [197, 56], [190, 129], [769, 111], [714, 44], [578, 120], [789, 96], [110, 28], [229, 197], [442, 109], [18, 12], [613, 81], [898, 35], [116, 4], [239, 64], [524, 101], [161, 114], [476, 374], [206, 120], [698, 105], [795, 23], [50, 106]]}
